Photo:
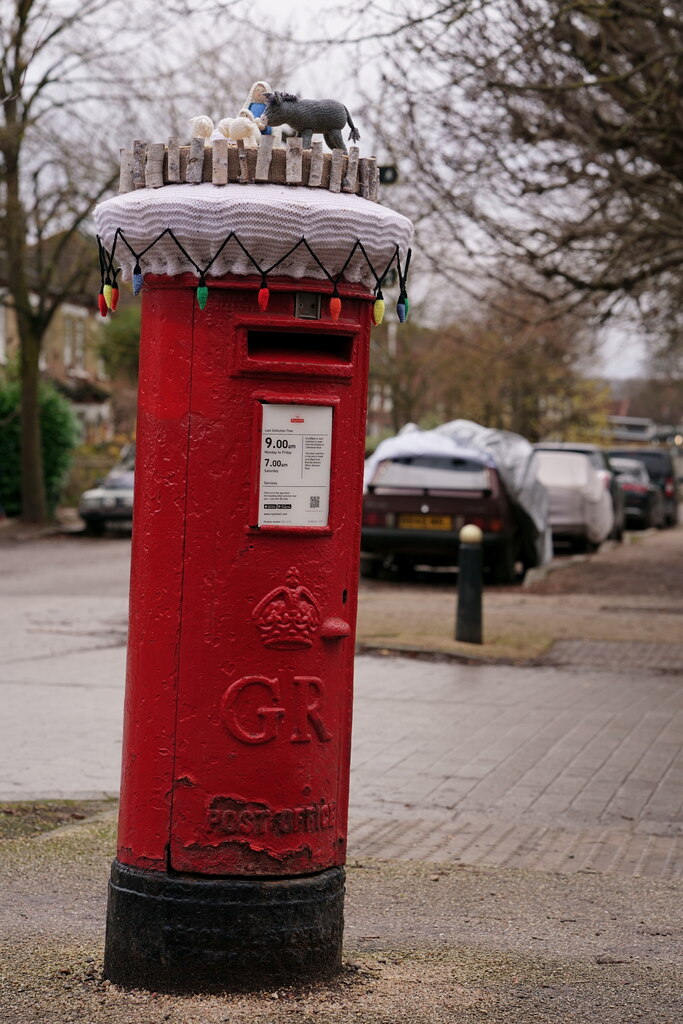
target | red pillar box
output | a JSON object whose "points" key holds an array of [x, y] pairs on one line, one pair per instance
{"points": [[248, 490]]}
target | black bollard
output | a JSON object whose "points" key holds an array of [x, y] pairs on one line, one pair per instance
{"points": [[468, 618]]}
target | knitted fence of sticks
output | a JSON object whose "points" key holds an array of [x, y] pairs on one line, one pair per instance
{"points": [[153, 165]]}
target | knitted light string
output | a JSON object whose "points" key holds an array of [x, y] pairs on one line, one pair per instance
{"points": [[109, 290], [403, 305]]}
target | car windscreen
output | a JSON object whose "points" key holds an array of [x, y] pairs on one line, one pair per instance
{"points": [[562, 469], [598, 459], [658, 464], [119, 480], [127, 457], [431, 472], [630, 467]]}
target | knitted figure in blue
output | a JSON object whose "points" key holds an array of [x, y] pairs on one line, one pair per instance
{"points": [[256, 104]]}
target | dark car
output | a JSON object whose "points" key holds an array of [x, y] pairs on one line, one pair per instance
{"points": [[644, 500], [109, 504], [415, 506], [600, 462], [660, 465]]}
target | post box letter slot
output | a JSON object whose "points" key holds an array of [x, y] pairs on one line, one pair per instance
{"points": [[300, 347]]}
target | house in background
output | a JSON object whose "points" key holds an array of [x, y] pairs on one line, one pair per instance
{"points": [[70, 355]]}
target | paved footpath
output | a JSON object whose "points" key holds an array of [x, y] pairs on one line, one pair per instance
{"points": [[567, 767], [544, 768]]}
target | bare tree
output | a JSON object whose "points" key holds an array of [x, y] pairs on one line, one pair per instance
{"points": [[79, 78], [542, 135], [407, 366], [594, 102], [509, 365], [523, 369]]}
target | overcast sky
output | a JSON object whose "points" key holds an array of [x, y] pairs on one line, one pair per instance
{"points": [[622, 354], [326, 72]]}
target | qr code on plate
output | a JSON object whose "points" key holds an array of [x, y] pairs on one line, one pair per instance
{"points": [[314, 501]]}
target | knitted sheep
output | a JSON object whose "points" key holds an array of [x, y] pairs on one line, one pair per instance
{"points": [[221, 130], [202, 126], [244, 127]]}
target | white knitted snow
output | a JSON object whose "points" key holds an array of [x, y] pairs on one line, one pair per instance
{"points": [[268, 220]]}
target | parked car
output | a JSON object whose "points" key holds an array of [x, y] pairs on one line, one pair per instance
{"points": [[110, 503], [660, 465], [415, 506], [581, 510], [601, 463], [644, 500]]}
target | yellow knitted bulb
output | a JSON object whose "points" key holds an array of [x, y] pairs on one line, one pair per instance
{"points": [[378, 312], [106, 291]]}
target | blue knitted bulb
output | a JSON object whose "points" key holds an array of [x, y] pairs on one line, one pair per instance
{"points": [[137, 279], [401, 310]]}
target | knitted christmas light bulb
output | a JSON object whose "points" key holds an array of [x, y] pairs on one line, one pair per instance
{"points": [[114, 297], [102, 303], [202, 293], [263, 296], [137, 279], [335, 305], [106, 291], [378, 310], [402, 307]]}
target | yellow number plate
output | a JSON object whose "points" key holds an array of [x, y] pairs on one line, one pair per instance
{"points": [[425, 522]]}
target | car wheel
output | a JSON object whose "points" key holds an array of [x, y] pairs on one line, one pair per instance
{"points": [[94, 527], [617, 532], [370, 567], [584, 546], [503, 569], [404, 567]]}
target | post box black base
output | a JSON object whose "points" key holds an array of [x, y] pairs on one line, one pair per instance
{"points": [[181, 933]]}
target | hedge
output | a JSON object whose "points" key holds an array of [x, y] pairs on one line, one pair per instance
{"points": [[59, 430]]}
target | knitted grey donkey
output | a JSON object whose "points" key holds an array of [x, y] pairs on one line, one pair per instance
{"points": [[308, 116]]}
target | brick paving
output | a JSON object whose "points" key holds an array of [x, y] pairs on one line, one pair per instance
{"points": [[662, 657], [551, 769]]}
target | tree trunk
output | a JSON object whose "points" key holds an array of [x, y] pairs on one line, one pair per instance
{"points": [[30, 327], [33, 497]]}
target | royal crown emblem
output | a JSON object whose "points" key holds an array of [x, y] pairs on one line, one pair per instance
{"points": [[288, 616]]}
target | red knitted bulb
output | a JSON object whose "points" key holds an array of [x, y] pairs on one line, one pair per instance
{"points": [[114, 298], [263, 296], [102, 304], [335, 307]]}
